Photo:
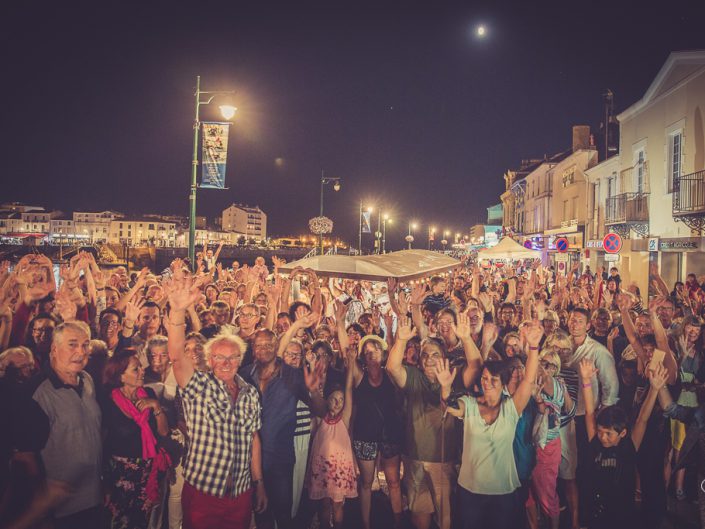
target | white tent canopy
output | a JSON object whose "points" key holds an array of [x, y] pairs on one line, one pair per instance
{"points": [[404, 265], [509, 249]]}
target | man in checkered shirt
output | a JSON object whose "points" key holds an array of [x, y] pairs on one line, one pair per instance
{"points": [[222, 411]]}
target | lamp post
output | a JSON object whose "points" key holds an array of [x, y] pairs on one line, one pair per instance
{"points": [[385, 219], [410, 237], [431, 236], [336, 187], [227, 111], [359, 235]]}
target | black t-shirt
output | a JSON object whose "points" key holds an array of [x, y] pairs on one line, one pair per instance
{"points": [[377, 417], [124, 436], [612, 484]]}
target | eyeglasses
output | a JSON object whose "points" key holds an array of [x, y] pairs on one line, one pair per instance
{"points": [[265, 346], [227, 359], [107, 323], [433, 356], [548, 365], [249, 315]]}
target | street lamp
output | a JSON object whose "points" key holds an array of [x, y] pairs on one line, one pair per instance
{"points": [[431, 235], [336, 187], [227, 111], [359, 235], [410, 237]]}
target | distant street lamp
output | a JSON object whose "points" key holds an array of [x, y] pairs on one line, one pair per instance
{"points": [[410, 237], [336, 187], [431, 236], [227, 111]]}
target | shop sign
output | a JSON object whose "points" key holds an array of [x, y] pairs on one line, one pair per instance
{"points": [[676, 244], [653, 244], [611, 257], [593, 244]]}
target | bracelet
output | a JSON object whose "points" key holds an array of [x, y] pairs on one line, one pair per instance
{"points": [[158, 412], [533, 348], [182, 324], [257, 481], [588, 385]]}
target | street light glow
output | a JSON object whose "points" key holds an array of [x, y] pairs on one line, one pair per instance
{"points": [[413, 226], [481, 31], [336, 186], [227, 111], [370, 209]]}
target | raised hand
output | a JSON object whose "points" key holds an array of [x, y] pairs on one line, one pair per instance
{"points": [[404, 329], [340, 310], [65, 306], [657, 376], [444, 375], [392, 285], [624, 302], [181, 294], [418, 294], [313, 377], [132, 310], [489, 335], [462, 330], [533, 333], [587, 370]]}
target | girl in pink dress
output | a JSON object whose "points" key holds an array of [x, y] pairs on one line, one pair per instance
{"points": [[333, 472]]}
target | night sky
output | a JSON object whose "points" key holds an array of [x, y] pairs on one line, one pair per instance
{"points": [[403, 103]]}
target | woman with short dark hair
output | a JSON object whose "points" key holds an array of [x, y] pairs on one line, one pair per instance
{"points": [[135, 463]]}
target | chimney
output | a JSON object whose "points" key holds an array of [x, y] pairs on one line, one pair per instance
{"points": [[581, 137]]}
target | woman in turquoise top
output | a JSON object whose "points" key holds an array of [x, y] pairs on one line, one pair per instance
{"points": [[488, 477]]}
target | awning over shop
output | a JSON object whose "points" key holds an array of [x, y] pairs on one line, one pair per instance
{"points": [[508, 248], [404, 265]]}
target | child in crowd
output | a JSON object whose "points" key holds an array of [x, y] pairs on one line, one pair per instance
{"points": [[613, 455], [554, 404], [333, 472], [438, 299]]}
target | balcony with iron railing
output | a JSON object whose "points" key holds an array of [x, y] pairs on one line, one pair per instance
{"points": [[689, 194], [627, 208], [689, 200]]}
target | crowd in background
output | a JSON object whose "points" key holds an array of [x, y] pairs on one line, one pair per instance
{"points": [[494, 395]]}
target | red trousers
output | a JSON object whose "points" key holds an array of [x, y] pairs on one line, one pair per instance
{"points": [[203, 511]]}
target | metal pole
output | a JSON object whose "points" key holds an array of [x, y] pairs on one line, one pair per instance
{"points": [[378, 233], [384, 236], [194, 175], [410, 235], [320, 235], [359, 234]]}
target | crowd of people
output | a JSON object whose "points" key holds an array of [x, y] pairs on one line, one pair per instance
{"points": [[234, 397]]}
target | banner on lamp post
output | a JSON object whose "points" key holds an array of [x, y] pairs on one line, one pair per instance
{"points": [[214, 154], [366, 219]]}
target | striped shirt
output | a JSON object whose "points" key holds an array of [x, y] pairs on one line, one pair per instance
{"points": [[220, 449], [303, 419], [572, 382]]}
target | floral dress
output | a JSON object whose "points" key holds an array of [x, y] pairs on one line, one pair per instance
{"points": [[333, 471]]}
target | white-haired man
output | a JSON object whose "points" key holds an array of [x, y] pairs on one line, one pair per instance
{"points": [[223, 416]]}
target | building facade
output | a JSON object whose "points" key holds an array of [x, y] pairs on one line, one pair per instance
{"points": [[654, 191], [139, 232], [251, 221]]}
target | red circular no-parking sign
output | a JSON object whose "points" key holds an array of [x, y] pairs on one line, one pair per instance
{"points": [[562, 245], [612, 243]]}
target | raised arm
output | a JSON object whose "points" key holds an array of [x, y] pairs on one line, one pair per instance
{"points": [[349, 382], [533, 333], [418, 294], [657, 379], [669, 359], [396, 354], [472, 353], [587, 372], [181, 294]]}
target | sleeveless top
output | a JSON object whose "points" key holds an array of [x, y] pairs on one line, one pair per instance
{"points": [[377, 417]]}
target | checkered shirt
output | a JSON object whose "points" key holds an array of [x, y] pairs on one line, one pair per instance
{"points": [[220, 447]]}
